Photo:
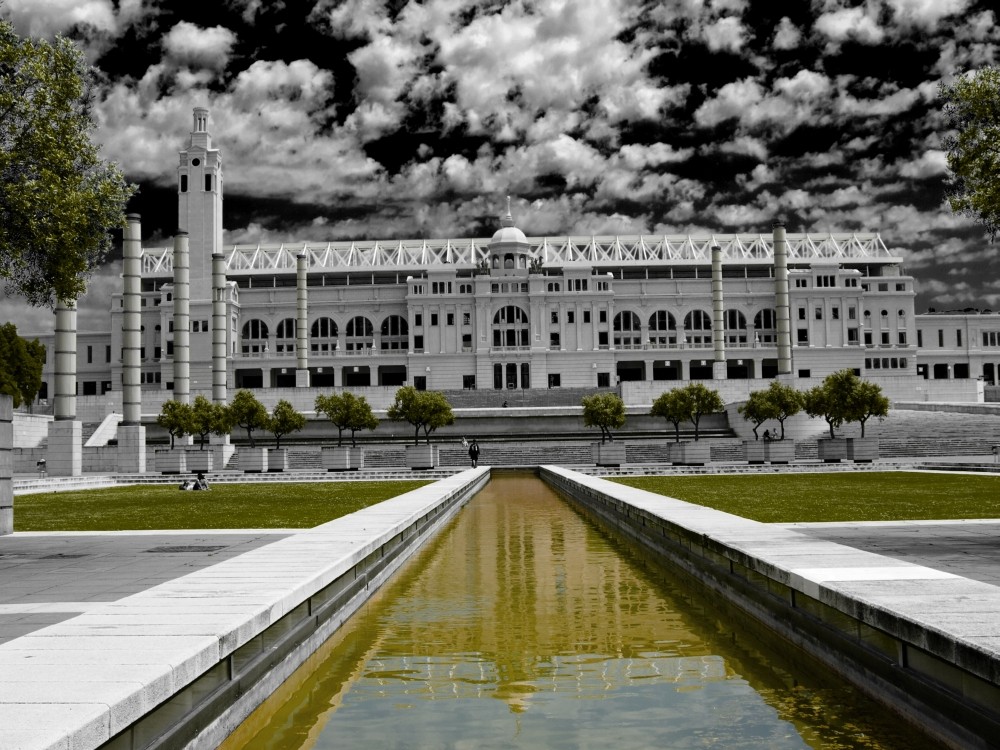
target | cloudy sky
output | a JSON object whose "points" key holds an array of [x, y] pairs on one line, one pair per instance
{"points": [[389, 119]]}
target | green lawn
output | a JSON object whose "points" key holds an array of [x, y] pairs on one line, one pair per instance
{"points": [[847, 496], [265, 505]]}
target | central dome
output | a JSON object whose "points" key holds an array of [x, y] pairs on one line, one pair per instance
{"points": [[508, 233]]}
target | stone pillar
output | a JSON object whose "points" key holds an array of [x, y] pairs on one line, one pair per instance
{"points": [[718, 317], [6, 464], [65, 448], [301, 322], [182, 319], [131, 433], [220, 328], [781, 303]]}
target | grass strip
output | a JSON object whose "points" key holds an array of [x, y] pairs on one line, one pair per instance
{"points": [[265, 505], [840, 496]]}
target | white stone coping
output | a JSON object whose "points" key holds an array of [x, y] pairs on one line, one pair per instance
{"points": [[959, 611], [77, 683]]}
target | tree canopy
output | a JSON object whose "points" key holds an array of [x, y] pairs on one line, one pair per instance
{"points": [[209, 418], [425, 410], [59, 199], [21, 363], [778, 402], [284, 420], [606, 411], [687, 404], [247, 412], [347, 412], [972, 105], [177, 419], [844, 397]]}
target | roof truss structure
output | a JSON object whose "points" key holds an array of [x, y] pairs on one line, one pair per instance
{"points": [[640, 250]]}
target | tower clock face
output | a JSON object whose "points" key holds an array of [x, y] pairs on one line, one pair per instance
{"points": [[195, 162]]}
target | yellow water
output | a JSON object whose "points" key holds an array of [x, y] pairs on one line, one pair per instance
{"points": [[523, 625]]}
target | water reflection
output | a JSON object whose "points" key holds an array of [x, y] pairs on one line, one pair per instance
{"points": [[525, 626]]}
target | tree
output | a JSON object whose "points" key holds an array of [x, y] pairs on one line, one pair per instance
{"points": [[425, 410], [247, 412], [606, 411], [284, 420], [972, 105], [785, 402], [59, 198], [703, 401], [867, 401], [21, 363], [674, 406], [756, 409], [347, 412], [209, 418], [177, 419], [844, 397], [778, 402]]}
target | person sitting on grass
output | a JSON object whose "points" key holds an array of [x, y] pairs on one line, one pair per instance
{"points": [[200, 483]]}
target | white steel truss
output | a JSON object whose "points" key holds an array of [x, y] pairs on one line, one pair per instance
{"points": [[638, 250]]}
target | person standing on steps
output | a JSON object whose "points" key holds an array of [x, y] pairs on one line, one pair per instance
{"points": [[474, 453]]}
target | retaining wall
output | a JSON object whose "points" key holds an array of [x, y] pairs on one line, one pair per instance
{"points": [[923, 642]]}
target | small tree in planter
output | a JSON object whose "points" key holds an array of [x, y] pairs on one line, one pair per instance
{"points": [[284, 420], [674, 406], [703, 401], [755, 409], [844, 397], [347, 412], [604, 410], [247, 412], [177, 419], [425, 410], [784, 402], [868, 401], [208, 418]]}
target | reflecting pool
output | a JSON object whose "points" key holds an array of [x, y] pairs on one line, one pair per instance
{"points": [[524, 625]]}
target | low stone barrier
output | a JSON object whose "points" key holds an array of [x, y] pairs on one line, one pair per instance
{"points": [[924, 642]]}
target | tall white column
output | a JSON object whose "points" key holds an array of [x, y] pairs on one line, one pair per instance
{"points": [[132, 322], [131, 433], [6, 464], [718, 317], [301, 322], [182, 319], [781, 303], [65, 445], [220, 328]]}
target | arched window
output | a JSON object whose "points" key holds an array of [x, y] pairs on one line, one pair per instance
{"points": [[627, 330], [696, 324], [395, 332], [662, 329], [254, 337], [284, 336], [359, 334], [510, 327], [323, 335], [736, 327], [765, 324], [508, 260]]}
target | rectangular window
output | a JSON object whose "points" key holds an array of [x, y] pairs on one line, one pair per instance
{"points": [[184, 183], [554, 340], [852, 335], [835, 313], [569, 316], [803, 336], [900, 287], [805, 373], [90, 355], [466, 319], [434, 319], [469, 382], [819, 313], [868, 338], [883, 287], [555, 316], [902, 338], [107, 353], [602, 338], [920, 338], [156, 352], [418, 319], [204, 326], [170, 348], [451, 319], [555, 380], [195, 326], [802, 313], [604, 380], [885, 338], [208, 183], [958, 338], [852, 313], [418, 343], [586, 316], [602, 316], [467, 342], [940, 338]]}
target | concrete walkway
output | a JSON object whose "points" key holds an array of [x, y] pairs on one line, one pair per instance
{"points": [[53, 579]]}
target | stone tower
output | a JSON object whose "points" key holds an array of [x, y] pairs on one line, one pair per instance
{"points": [[199, 201]]}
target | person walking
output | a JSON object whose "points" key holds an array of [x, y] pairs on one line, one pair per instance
{"points": [[474, 453]]}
